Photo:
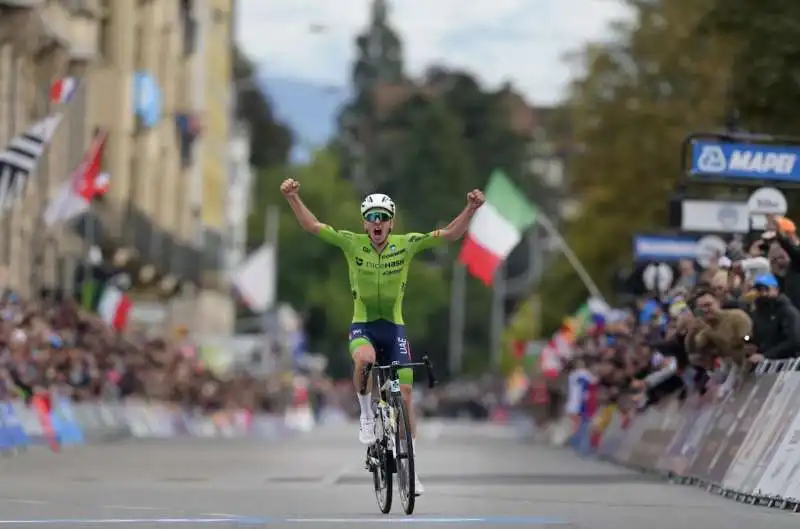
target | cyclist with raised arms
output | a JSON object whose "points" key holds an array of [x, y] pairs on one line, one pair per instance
{"points": [[378, 263]]}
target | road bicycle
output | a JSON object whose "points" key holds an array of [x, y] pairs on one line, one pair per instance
{"points": [[393, 452]]}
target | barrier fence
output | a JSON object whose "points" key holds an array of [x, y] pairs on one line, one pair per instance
{"points": [[745, 446], [63, 423]]}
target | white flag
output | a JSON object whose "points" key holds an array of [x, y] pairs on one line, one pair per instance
{"points": [[255, 279]]}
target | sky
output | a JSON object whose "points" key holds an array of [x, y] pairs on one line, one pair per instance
{"points": [[521, 41]]}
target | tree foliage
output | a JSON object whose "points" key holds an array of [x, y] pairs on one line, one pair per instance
{"points": [[766, 60], [659, 79]]}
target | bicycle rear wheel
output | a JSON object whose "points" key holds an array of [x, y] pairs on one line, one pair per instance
{"points": [[404, 456]]}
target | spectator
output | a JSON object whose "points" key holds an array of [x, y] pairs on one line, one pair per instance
{"points": [[784, 256], [687, 277], [776, 322], [717, 332]]}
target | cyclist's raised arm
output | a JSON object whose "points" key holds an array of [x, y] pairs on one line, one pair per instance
{"points": [[308, 221], [458, 226]]}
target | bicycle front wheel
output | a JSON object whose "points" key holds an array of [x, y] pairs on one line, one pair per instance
{"points": [[382, 476], [404, 453]]}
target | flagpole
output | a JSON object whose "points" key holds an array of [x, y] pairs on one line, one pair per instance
{"points": [[458, 290], [498, 315], [573, 260]]}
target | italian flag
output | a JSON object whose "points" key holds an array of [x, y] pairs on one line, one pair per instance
{"points": [[114, 307], [496, 228], [108, 301]]}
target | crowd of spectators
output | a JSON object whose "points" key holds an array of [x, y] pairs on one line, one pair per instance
{"points": [[700, 335], [51, 345]]}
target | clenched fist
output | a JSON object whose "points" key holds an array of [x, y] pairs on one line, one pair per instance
{"points": [[475, 199], [290, 187]]}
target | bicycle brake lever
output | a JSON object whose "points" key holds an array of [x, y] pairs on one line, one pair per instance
{"points": [[429, 369]]}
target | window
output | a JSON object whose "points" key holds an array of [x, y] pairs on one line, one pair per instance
{"points": [[189, 28], [105, 44], [138, 45]]}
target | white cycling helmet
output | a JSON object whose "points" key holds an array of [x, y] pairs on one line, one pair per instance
{"points": [[377, 201]]}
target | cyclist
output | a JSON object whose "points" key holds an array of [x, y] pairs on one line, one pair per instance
{"points": [[378, 262]]}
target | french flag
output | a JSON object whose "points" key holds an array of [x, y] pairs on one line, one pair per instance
{"points": [[62, 90]]}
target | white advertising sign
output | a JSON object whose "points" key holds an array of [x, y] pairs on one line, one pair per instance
{"points": [[715, 216], [765, 201]]}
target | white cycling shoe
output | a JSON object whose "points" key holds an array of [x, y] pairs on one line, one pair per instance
{"points": [[366, 432]]}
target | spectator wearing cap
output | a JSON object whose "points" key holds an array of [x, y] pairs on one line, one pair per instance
{"points": [[784, 256], [776, 322]]}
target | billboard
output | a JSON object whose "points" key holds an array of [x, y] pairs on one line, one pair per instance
{"points": [[715, 216], [743, 161]]}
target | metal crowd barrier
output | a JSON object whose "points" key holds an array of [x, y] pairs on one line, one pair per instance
{"points": [[65, 423], [745, 446]]}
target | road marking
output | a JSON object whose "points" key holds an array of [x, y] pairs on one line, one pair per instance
{"points": [[244, 521], [128, 521], [130, 508], [428, 520], [24, 502]]}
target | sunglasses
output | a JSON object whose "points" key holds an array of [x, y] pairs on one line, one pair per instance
{"points": [[377, 216]]}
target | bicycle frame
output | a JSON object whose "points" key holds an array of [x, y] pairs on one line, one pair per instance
{"points": [[388, 383]]}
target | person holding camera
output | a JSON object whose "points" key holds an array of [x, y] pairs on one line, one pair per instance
{"points": [[776, 323], [783, 251]]}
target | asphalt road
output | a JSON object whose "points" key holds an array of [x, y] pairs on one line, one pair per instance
{"points": [[475, 476]]}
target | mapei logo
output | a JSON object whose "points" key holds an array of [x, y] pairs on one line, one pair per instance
{"points": [[745, 161], [712, 160]]}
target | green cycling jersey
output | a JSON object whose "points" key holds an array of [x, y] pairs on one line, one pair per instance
{"points": [[378, 280]]}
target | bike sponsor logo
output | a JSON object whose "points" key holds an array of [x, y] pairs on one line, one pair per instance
{"points": [[742, 161], [380, 265], [395, 253]]}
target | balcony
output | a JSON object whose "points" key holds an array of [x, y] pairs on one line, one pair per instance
{"points": [[153, 257]]}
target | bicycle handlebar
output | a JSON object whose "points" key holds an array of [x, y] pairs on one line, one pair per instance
{"points": [[426, 363]]}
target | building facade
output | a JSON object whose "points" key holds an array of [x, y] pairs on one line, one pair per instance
{"points": [[154, 74]]}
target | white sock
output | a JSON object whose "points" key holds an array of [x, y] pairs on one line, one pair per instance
{"points": [[414, 445], [365, 401]]}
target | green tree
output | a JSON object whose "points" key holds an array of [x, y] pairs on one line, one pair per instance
{"points": [[431, 170], [313, 275], [379, 60], [640, 96], [763, 42]]}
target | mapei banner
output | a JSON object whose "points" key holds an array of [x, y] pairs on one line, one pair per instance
{"points": [[741, 161]]}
